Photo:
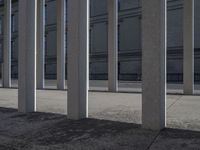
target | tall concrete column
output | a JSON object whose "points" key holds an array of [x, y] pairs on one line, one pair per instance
{"points": [[7, 44], [61, 30], [154, 64], [40, 44], [188, 46], [78, 58], [27, 56], [112, 45]]}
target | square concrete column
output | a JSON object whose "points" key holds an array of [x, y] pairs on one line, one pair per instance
{"points": [[188, 47], [40, 44], [27, 56], [78, 58], [61, 31], [7, 44], [154, 64], [112, 45]]}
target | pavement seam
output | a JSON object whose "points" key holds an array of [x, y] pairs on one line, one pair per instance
{"points": [[174, 102], [153, 141]]}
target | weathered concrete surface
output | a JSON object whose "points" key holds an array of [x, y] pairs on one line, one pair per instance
{"points": [[54, 131], [185, 113], [40, 70], [188, 46], [41, 131], [27, 55], [47, 131], [112, 9], [60, 42], [6, 65], [182, 111], [125, 107], [171, 139], [78, 58], [154, 45]]}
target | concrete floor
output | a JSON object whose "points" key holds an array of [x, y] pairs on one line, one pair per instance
{"points": [[114, 124]]}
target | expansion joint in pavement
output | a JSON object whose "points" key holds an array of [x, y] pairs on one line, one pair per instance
{"points": [[153, 141], [174, 102]]}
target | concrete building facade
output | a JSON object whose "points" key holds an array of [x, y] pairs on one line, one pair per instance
{"points": [[129, 43]]}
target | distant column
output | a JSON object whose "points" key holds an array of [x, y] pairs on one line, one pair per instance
{"points": [[40, 44], [27, 56], [154, 64], [112, 45], [188, 46], [61, 30], [7, 44], [78, 58]]}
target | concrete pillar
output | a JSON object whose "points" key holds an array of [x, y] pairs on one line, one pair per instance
{"points": [[154, 64], [7, 44], [188, 46], [112, 45], [61, 30], [27, 56], [78, 58], [40, 44]]}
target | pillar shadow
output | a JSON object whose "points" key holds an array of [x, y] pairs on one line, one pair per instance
{"points": [[41, 130]]}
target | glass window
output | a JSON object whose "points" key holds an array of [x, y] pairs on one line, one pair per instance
{"points": [[1, 24]]}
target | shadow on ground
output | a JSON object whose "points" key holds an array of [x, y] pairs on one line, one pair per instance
{"points": [[47, 131]]}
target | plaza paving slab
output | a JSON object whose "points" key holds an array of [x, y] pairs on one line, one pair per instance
{"points": [[115, 122]]}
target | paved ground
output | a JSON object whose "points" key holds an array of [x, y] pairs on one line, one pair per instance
{"points": [[124, 86], [114, 122]]}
